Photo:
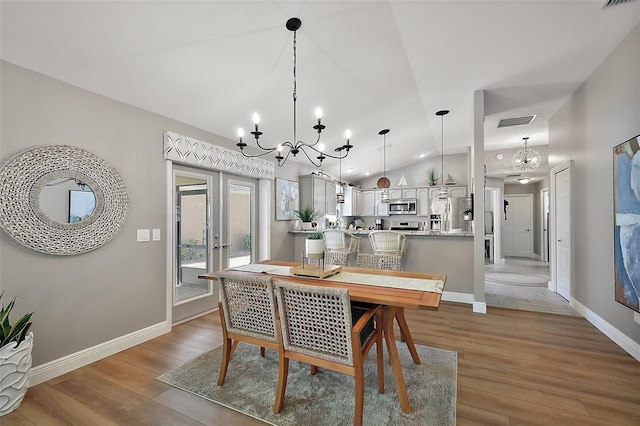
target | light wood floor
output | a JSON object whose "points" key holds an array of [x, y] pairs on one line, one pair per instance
{"points": [[514, 368]]}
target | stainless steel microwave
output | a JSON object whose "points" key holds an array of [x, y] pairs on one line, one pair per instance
{"points": [[407, 206]]}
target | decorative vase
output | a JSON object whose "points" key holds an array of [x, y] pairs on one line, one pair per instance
{"points": [[306, 226], [314, 248], [15, 370], [467, 217]]}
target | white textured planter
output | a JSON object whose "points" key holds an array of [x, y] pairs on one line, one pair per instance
{"points": [[306, 226], [314, 248], [15, 370]]}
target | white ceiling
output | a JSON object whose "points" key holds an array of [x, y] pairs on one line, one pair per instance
{"points": [[369, 65]]}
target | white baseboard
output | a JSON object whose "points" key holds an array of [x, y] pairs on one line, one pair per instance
{"points": [[60, 366], [450, 296], [610, 331], [478, 307], [195, 316]]}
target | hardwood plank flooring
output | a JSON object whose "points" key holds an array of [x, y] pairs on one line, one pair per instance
{"points": [[514, 368]]}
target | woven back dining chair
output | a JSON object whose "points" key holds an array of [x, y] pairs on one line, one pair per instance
{"points": [[336, 258], [386, 262], [247, 313], [387, 242], [318, 329], [389, 263]]}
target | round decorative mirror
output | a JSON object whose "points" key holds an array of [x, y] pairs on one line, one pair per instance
{"points": [[61, 200]]}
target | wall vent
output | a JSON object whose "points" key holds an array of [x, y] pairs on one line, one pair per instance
{"points": [[609, 3], [514, 175], [516, 121]]}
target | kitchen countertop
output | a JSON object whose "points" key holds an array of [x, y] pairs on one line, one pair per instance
{"points": [[407, 233]]}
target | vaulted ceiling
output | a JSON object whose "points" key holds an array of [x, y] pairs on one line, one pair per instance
{"points": [[369, 64]]}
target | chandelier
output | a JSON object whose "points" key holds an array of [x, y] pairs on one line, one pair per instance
{"points": [[526, 159], [295, 146]]}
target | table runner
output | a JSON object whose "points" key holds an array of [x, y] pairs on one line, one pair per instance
{"points": [[434, 286]]}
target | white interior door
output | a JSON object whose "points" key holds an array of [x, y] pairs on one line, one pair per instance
{"points": [[517, 232], [562, 226]]}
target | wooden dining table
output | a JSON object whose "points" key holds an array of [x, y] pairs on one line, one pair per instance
{"points": [[395, 299]]}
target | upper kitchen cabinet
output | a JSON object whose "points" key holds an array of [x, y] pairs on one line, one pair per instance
{"points": [[422, 209], [352, 202], [403, 193], [371, 205], [454, 191], [318, 193]]}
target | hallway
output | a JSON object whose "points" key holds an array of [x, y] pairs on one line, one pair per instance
{"points": [[523, 287]]}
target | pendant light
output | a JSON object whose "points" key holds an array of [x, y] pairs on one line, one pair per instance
{"points": [[444, 191], [340, 194], [384, 182], [526, 159]]}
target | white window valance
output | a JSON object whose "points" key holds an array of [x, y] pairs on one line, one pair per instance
{"points": [[187, 150]]}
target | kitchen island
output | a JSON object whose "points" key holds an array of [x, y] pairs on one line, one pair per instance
{"points": [[425, 251]]}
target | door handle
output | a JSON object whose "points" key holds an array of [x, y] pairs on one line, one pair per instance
{"points": [[216, 247], [227, 245]]}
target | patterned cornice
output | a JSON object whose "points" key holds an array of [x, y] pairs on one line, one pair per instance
{"points": [[186, 150]]}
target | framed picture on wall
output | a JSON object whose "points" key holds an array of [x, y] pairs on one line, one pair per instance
{"points": [[287, 199], [626, 230]]}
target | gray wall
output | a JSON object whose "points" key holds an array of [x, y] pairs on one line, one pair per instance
{"points": [[416, 175], [81, 301], [602, 113]]}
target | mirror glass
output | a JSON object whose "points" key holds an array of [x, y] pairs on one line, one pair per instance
{"points": [[67, 200]]}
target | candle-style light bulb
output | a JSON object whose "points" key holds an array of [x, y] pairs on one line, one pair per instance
{"points": [[321, 147], [240, 133], [256, 119], [347, 135], [319, 114], [279, 148]]}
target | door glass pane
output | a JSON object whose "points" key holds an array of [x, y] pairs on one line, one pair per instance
{"points": [[192, 225], [240, 240]]}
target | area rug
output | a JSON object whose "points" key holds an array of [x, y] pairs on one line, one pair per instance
{"points": [[328, 397], [530, 280]]}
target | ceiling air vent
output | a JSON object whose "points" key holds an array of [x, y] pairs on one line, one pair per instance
{"points": [[609, 3], [516, 121], [514, 175]]}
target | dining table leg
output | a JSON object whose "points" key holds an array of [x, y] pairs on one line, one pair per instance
{"points": [[405, 335], [394, 358]]}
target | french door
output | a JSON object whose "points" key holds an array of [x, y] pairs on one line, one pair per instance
{"points": [[214, 228]]}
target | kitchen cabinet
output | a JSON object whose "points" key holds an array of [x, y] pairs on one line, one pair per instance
{"points": [[371, 205], [352, 202], [454, 191], [402, 193], [422, 209], [318, 193]]}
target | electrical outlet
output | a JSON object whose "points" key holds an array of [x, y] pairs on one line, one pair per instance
{"points": [[636, 317]]}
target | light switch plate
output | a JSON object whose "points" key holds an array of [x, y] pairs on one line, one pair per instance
{"points": [[143, 235], [156, 234], [636, 317]]}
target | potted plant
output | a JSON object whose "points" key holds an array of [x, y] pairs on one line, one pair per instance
{"points": [[314, 245], [432, 178], [306, 215], [16, 343], [468, 214]]}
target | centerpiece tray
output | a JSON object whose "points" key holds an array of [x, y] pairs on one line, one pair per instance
{"points": [[315, 271]]}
